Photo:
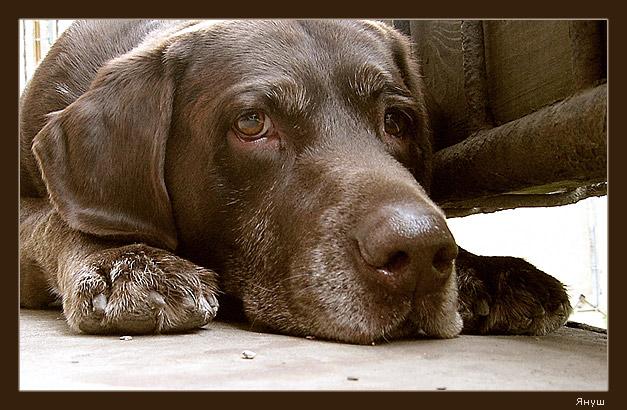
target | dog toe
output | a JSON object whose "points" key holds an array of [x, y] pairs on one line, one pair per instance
{"points": [[99, 304], [137, 289], [156, 300]]}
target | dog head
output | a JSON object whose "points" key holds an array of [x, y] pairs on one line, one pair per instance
{"points": [[291, 157]]}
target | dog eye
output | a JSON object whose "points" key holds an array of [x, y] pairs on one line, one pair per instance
{"points": [[396, 122], [252, 125]]}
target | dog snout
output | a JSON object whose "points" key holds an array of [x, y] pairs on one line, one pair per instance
{"points": [[407, 248]]}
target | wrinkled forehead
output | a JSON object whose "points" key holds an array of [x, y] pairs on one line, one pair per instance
{"points": [[312, 51]]}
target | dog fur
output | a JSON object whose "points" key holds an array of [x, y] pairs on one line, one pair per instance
{"points": [[141, 208]]}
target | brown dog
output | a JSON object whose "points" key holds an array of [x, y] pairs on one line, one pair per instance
{"points": [[280, 165]]}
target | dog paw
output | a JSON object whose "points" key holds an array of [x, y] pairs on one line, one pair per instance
{"points": [[137, 289], [505, 295]]}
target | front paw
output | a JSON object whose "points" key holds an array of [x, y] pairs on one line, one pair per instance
{"points": [[505, 295], [139, 289]]}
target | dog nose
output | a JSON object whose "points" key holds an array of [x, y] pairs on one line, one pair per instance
{"points": [[408, 248]]}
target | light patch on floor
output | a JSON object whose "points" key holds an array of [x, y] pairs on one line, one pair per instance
{"points": [[53, 358]]}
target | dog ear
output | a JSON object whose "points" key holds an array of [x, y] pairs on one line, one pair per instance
{"points": [[102, 157]]}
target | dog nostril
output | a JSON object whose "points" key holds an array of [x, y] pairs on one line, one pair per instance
{"points": [[410, 248], [397, 262]]}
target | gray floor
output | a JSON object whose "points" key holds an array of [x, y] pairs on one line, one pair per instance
{"points": [[51, 357]]}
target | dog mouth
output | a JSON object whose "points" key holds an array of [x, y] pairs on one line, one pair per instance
{"points": [[325, 292], [339, 306], [383, 306], [422, 320]]}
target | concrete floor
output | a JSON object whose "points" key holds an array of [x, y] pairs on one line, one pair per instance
{"points": [[53, 358]]}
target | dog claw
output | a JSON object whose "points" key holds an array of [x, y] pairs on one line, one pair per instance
{"points": [[213, 307], [213, 302], [156, 299], [188, 302], [482, 308], [99, 303]]}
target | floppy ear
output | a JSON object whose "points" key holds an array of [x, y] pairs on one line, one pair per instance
{"points": [[102, 157]]}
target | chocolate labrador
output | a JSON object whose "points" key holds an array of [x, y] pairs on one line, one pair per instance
{"points": [[281, 168]]}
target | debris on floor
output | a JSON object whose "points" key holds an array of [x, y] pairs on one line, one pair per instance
{"points": [[566, 360], [126, 337], [248, 354]]}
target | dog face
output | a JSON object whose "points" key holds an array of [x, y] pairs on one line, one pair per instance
{"points": [[290, 157]]}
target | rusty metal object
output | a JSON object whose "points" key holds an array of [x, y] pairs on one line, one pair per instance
{"points": [[563, 144], [588, 44], [564, 195], [475, 77]]}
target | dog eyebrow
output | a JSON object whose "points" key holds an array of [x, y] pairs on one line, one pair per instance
{"points": [[282, 93], [369, 80], [287, 94]]}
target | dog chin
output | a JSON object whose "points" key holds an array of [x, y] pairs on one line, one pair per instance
{"points": [[431, 316], [436, 315]]}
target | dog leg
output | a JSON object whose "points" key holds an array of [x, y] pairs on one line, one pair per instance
{"points": [[505, 295], [108, 287]]}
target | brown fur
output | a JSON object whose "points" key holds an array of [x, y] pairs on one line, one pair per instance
{"points": [[138, 203]]}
